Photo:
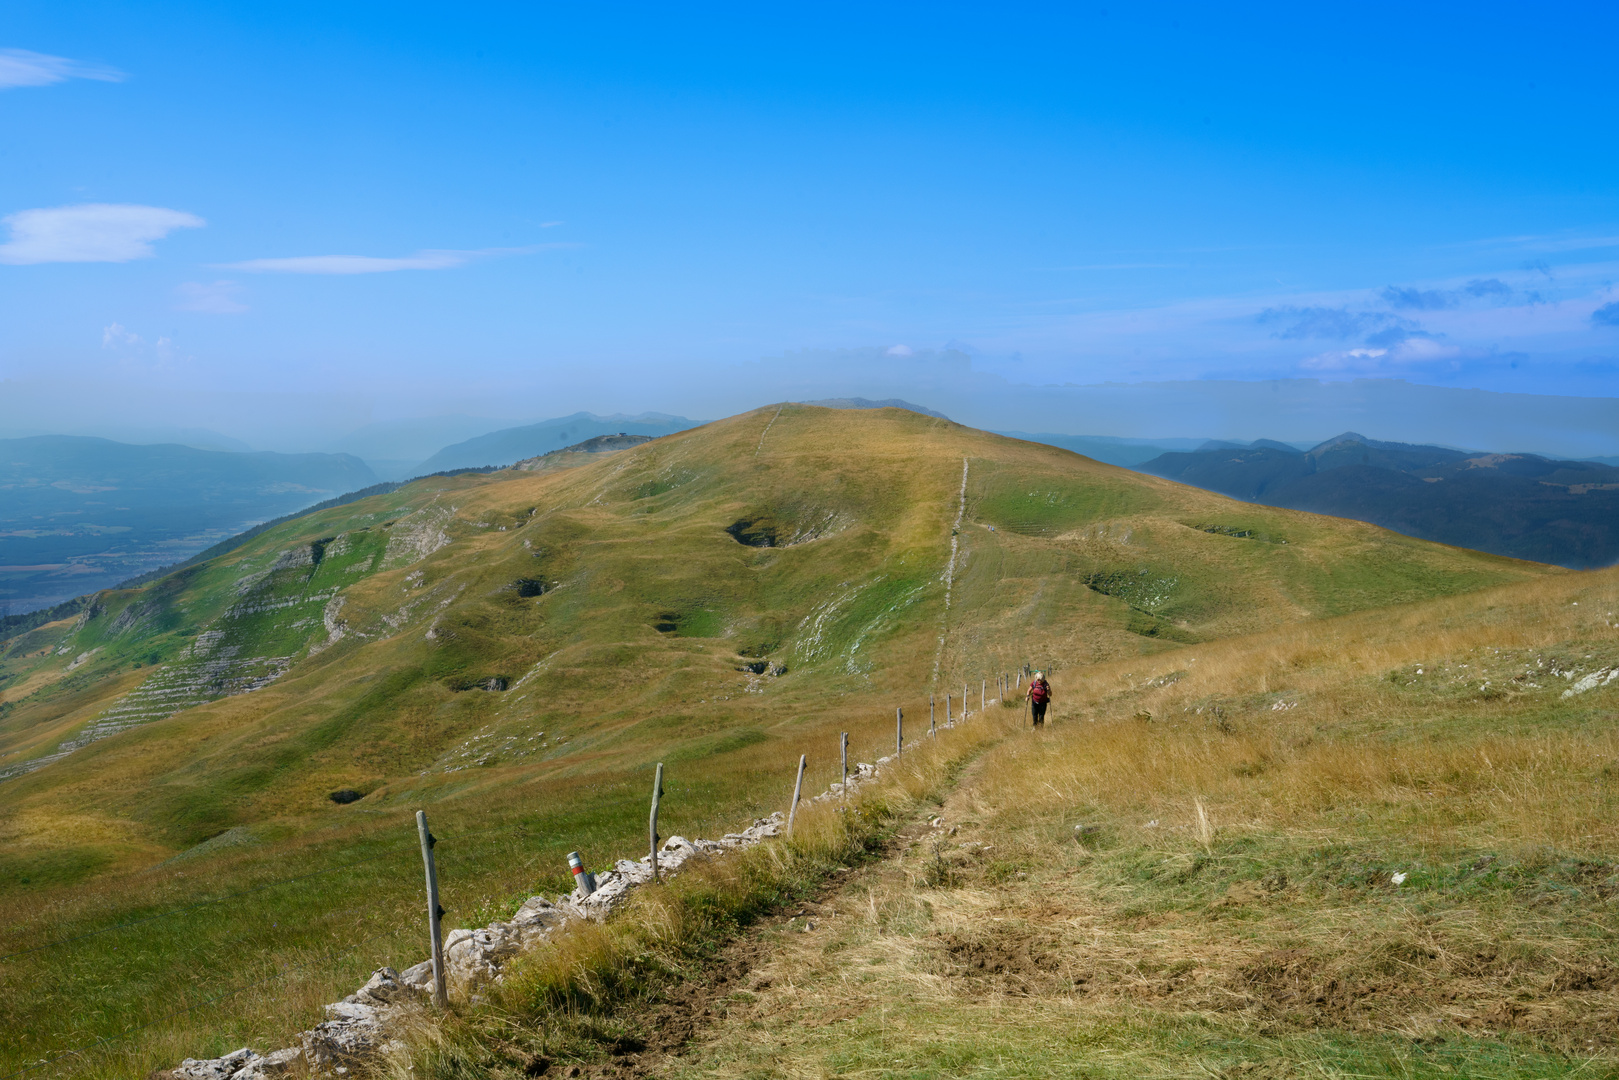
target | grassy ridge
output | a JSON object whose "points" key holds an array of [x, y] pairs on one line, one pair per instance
{"points": [[621, 616]]}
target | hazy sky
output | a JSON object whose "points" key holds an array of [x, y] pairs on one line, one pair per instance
{"points": [[311, 216]]}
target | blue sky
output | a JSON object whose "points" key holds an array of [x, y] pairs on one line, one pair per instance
{"points": [[289, 220]]}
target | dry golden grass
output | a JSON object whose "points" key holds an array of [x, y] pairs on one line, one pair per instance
{"points": [[565, 998], [1213, 891]]}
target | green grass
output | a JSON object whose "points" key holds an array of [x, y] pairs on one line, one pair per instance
{"points": [[597, 689]]}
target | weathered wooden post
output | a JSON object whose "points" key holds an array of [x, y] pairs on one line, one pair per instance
{"points": [[964, 701], [657, 794], [843, 752], [930, 710], [947, 710], [899, 732], [798, 789], [435, 914], [983, 696]]}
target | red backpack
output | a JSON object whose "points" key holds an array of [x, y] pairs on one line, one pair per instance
{"points": [[1039, 691]]}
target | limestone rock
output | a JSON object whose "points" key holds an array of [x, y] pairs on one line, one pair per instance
{"points": [[219, 1068], [342, 1041], [473, 957], [419, 976], [275, 1063], [387, 987]]}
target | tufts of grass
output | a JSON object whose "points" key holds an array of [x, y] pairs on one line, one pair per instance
{"points": [[578, 997]]}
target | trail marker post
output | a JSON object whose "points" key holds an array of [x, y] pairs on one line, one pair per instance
{"points": [[652, 827], [583, 879], [435, 914], [798, 789], [899, 732], [843, 752]]}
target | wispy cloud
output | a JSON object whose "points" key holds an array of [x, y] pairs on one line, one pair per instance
{"points": [[217, 297], [372, 264], [1414, 299], [1413, 352], [1606, 315], [20, 67], [1337, 323], [90, 232]]}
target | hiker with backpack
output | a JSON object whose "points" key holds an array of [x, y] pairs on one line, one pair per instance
{"points": [[1039, 697]]}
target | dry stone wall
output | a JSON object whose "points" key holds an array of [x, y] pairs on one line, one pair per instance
{"points": [[367, 1022]]}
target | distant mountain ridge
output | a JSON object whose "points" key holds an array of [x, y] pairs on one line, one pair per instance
{"points": [[868, 403], [79, 513], [1521, 505], [511, 445]]}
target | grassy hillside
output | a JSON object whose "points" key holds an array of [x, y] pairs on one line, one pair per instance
{"points": [[513, 651], [1382, 845]]}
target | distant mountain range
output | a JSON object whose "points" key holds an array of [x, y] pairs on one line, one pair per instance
{"points": [[1111, 449], [79, 514], [868, 403], [1522, 505], [511, 445]]}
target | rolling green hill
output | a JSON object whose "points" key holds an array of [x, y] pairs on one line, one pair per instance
{"points": [[514, 649]]}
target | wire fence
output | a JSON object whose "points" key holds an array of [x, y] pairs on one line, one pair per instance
{"points": [[1004, 685]]}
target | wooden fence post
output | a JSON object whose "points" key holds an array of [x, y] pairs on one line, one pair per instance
{"points": [[947, 710], [657, 794], [983, 696], [964, 701], [843, 751], [899, 732], [435, 914], [798, 789]]}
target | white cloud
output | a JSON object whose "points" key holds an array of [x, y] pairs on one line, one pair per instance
{"points": [[20, 67], [355, 264], [371, 264], [899, 350], [1345, 360], [90, 232], [1413, 350], [219, 297], [116, 337], [1423, 350]]}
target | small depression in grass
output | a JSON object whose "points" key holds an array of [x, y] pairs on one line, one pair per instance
{"points": [[696, 623], [755, 531]]}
